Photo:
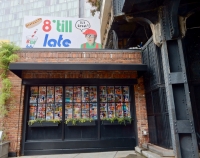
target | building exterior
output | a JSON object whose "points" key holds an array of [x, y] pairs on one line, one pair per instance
{"points": [[157, 86], [12, 13], [169, 35], [41, 73]]}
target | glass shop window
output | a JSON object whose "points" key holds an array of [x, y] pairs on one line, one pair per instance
{"points": [[114, 101], [81, 102], [45, 102]]}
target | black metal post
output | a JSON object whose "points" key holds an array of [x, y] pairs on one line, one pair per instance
{"points": [[179, 105]]}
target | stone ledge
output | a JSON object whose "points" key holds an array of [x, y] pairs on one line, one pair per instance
{"points": [[150, 154], [139, 150], [158, 150]]}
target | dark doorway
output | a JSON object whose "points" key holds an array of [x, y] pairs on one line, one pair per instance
{"points": [[191, 44]]}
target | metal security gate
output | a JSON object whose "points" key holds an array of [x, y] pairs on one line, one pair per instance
{"points": [[158, 117]]}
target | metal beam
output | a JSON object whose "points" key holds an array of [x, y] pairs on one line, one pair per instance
{"points": [[179, 105]]}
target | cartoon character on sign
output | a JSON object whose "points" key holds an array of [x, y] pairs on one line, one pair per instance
{"points": [[89, 33], [91, 36]]}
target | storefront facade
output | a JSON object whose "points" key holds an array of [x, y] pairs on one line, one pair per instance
{"points": [[61, 85]]}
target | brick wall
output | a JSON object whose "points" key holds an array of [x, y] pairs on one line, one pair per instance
{"points": [[141, 112], [13, 121], [15, 115], [81, 57], [80, 74]]}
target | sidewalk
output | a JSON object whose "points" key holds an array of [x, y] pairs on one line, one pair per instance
{"points": [[111, 154]]}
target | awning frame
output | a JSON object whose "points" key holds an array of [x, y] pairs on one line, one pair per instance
{"points": [[17, 68]]}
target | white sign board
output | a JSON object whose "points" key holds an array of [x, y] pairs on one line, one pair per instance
{"points": [[57, 32]]}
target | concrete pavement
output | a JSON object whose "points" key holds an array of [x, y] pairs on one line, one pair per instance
{"points": [[110, 154]]}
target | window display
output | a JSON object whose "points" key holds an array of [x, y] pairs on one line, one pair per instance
{"points": [[85, 110], [42, 103], [32, 111], [114, 101], [77, 94], [103, 94], [49, 111], [69, 94], [34, 95], [103, 109], [111, 110], [42, 95], [93, 111], [85, 94], [77, 110], [50, 94], [93, 93], [68, 110], [58, 94], [58, 111], [41, 111], [80, 102]]}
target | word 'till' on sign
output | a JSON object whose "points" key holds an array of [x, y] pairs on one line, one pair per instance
{"points": [[61, 25]]}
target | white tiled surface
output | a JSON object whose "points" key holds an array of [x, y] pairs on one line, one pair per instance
{"points": [[111, 154]]}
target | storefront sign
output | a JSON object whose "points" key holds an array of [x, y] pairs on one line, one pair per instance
{"points": [[56, 32]]}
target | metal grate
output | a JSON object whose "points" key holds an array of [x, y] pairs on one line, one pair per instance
{"points": [[153, 64], [152, 130], [117, 7], [149, 104], [158, 119], [112, 42]]}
